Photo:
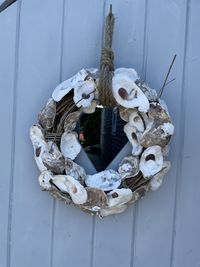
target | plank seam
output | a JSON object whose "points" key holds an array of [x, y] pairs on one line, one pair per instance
{"points": [[182, 129], [16, 64], [145, 46], [60, 79], [93, 237], [144, 66]]}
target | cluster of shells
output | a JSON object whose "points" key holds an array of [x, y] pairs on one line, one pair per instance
{"points": [[148, 128]]}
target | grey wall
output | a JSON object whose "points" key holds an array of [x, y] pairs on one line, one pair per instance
{"points": [[41, 44]]}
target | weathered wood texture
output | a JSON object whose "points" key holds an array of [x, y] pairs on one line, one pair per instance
{"points": [[44, 42]]}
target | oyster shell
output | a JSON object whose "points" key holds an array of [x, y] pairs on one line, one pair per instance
{"points": [[151, 161], [66, 86], [71, 186], [134, 138], [118, 197], [106, 180], [129, 166], [160, 128], [74, 170], [69, 145], [47, 115], [53, 159], [127, 93]]}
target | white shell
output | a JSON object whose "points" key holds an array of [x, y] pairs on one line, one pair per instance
{"points": [[70, 146], [44, 180], [129, 167], [127, 93], [65, 87], [134, 138], [151, 161], [84, 94], [119, 197], [106, 180], [136, 121], [93, 73], [91, 108], [130, 73], [150, 93], [125, 113], [39, 145], [112, 210], [71, 186], [156, 181]]}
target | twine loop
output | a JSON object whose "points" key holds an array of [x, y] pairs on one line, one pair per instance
{"points": [[107, 64]]}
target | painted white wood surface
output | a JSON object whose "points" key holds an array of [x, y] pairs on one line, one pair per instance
{"points": [[44, 42]]}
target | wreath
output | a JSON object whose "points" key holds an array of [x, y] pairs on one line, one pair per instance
{"points": [[148, 128]]}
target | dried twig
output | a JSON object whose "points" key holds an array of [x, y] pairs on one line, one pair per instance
{"points": [[166, 78]]}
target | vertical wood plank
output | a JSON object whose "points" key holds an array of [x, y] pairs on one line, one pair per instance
{"points": [[8, 21], [166, 22], [38, 74], [114, 234], [73, 231], [187, 220]]}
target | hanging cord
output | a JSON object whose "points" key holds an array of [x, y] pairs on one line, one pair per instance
{"points": [[107, 64]]}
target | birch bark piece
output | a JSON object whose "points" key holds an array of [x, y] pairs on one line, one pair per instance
{"points": [[47, 115], [127, 93], [106, 180], [151, 161], [70, 146]]}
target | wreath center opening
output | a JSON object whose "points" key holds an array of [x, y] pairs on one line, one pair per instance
{"points": [[101, 135]]}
